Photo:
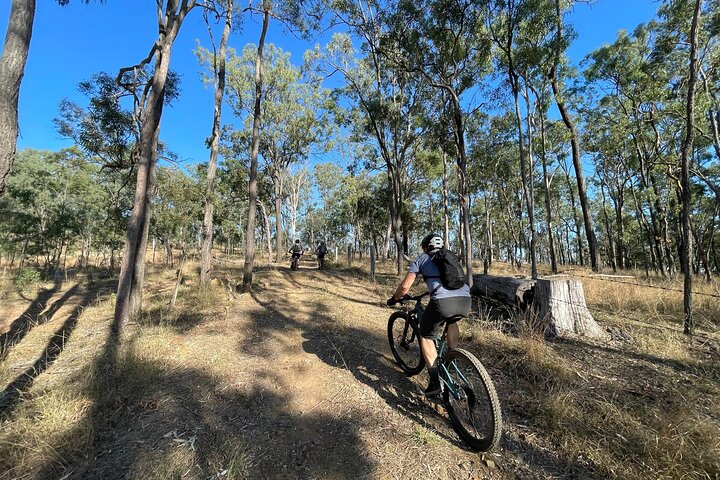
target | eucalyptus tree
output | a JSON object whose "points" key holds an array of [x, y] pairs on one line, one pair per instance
{"points": [[328, 179], [633, 101], [492, 166], [264, 10], [298, 182], [519, 29], [299, 16], [690, 38], [216, 65], [443, 41], [608, 145], [12, 68], [293, 116], [430, 167], [232, 193], [108, 133], [295, 122], [54, 200], [150, 101], [561, 43], [176, 213], [391, 101]]}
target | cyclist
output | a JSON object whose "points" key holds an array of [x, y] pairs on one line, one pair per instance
{"points": [[444, 304], [321, 251], [296, 250]]}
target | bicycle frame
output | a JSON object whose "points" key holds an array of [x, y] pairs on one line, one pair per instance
{"points": [[441, 347]]}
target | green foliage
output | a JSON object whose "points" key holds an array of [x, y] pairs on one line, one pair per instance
{"points": [[57, 200], [27, 277], [177, 213]]}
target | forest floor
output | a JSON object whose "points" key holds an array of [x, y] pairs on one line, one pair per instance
{"points": [[295, 380]]}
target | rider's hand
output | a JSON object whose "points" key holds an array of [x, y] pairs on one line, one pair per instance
{"points": [[391, 301]]}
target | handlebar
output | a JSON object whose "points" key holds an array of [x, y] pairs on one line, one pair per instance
{"points": [[417, 298]]}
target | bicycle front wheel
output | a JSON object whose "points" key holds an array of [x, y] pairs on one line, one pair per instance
{"points": [[405, 343], [471, 400]]}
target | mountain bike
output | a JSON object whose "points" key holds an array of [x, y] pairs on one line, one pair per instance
{"points": [[321, 262], [294, 262], [468, 392]]}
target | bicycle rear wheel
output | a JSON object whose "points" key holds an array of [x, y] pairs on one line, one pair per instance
{"points": [[471, 400], [404, 343]]}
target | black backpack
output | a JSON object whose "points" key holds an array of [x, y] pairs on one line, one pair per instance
{"points": [[322, 250], [452, 275], [297, 248]]}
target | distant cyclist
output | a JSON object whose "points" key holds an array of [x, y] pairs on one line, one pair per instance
{"points": [[321, 251], [444, 303], [296, 251]]}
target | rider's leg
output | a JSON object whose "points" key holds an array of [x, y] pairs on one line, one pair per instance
{"points": [[429, 352], [453, 335], [429, 329]]}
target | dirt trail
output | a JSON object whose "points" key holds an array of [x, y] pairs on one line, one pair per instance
{"points": [[319, 341]]}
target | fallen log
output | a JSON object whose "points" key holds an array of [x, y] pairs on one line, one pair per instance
{"points": [[511, 291]]}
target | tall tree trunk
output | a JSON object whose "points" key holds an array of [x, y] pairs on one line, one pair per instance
{"points": [[685, 158], [463, 188], [546, 192], [268, 234], [129, 294], [12, 69], [206, 263], [279, 241], [445, 200], [252, 182], [575, 145], [526, 176]]}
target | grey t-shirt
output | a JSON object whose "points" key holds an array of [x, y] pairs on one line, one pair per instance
{"points": [[424, 265]]}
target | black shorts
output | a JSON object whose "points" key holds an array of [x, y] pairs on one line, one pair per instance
{"points": [[440, 309]]}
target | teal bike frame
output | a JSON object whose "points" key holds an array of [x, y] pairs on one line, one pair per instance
{"points": [[441, 347]]}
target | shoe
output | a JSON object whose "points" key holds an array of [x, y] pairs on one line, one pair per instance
{"points": [[433, 389]]}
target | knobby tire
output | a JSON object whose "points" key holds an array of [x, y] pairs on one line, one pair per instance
{"points": [[405, 343], [476, 418]]}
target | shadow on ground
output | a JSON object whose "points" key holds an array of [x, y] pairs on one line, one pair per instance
{"points": [[150, 421], [22, 325], [13, 392]]}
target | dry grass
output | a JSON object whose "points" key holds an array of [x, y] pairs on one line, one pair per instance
{"points": [[64, 412], [611, 412], [641, 409]]}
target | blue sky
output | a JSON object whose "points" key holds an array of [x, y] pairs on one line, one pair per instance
{"points": [[71, 43]]}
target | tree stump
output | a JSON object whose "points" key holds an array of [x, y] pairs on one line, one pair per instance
{"points": [[560, 306]]}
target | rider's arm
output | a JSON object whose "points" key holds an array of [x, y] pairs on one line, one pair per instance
{"points": [[405, 285]]}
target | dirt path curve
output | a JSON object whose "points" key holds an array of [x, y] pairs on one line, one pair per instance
{"points": [[339, 407]]}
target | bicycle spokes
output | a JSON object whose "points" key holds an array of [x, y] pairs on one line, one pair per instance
{"points": [[471, 400]]}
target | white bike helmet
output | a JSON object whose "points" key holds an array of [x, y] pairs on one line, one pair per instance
{"points": [[432, 242]]}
